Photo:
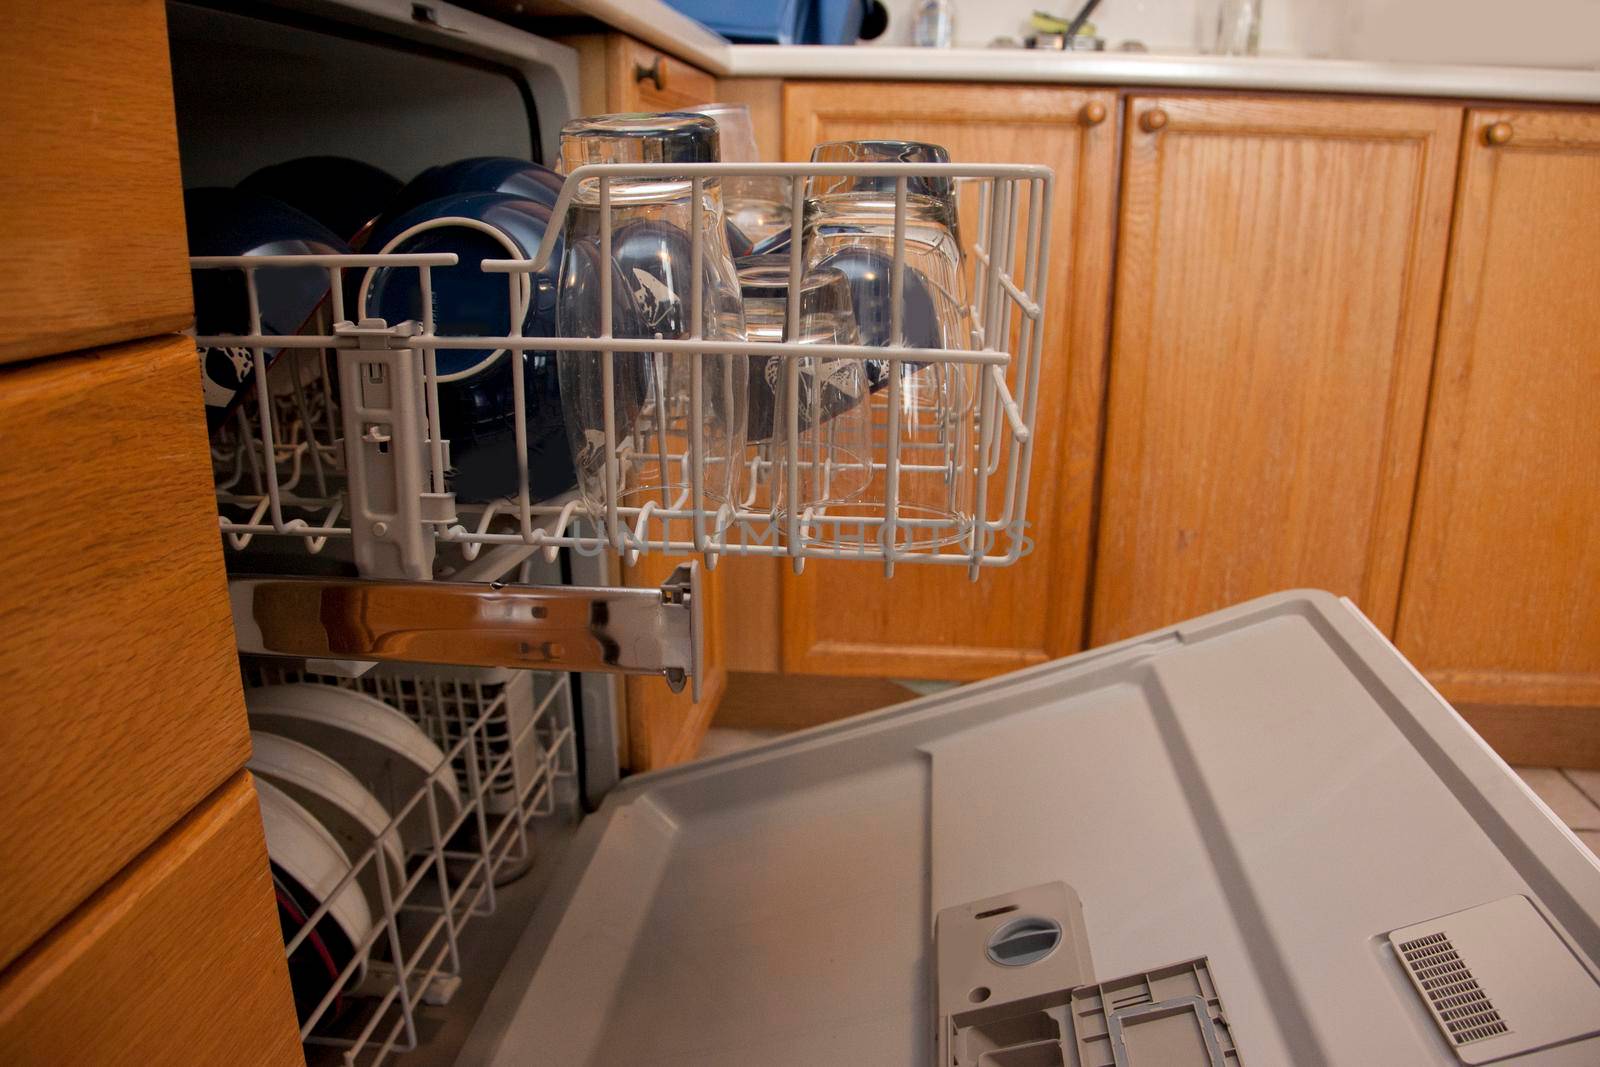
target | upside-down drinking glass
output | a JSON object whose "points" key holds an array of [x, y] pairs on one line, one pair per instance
{"points": [[831, 422], [652, 394], [849, 226], [758, 207]]}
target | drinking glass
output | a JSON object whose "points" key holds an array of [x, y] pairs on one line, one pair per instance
{"points": [[832, 429], [651, 393], [1238, 28], [757, 206], [849, 226]]}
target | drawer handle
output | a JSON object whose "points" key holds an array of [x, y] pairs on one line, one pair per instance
{"points": [[1499, 133], [1153, 121], [652, 73], [1093, 113]]}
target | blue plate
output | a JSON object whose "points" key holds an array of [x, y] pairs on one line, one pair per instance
{"points": [[230, 222], [343, 194]]}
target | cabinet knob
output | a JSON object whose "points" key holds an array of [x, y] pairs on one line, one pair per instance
{"points": [[1093, 113], [1153, 120], [1499, 133], [652, 73]]}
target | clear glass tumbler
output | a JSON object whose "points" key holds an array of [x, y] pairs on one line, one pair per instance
{"points": [[652, 393], [849, 226], [832, 427], [756, 207], [1238, 28]]}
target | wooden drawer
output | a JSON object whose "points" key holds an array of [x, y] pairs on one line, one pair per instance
{"points": [[120, 703], [179, 960], [94, 246], [651, 81], [618, 74]]}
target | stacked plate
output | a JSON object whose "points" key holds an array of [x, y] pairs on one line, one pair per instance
{"points": [[349, 787]]}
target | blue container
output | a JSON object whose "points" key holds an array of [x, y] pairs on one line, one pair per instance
{"points": [[778, 21]]}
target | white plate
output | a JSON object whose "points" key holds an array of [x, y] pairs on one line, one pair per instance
{"points": [[344, 807], [298, 844], [385, 751]]}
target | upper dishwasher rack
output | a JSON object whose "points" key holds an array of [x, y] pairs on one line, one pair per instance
{"points": [[365, 460]]}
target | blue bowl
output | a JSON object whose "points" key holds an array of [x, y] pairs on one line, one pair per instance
{"points": [[231, 222], [479, 174], [477, 409], [739, 245], [654, 258], [467, 302], [871, 288], [343, 194]]}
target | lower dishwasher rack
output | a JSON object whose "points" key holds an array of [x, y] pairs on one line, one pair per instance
{"points": [[509, 740]]}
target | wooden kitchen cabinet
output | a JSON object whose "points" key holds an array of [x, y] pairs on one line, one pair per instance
{"points": [[120, 702], [1498, 604], [618, 74], [179, 960], [94, 251], [931, 622], [1279, 267]]}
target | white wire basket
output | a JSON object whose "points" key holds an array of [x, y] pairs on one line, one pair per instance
{"points": [[293, 463], [509, 740]]}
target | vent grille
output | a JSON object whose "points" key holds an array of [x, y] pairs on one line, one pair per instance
{"points": [[1463, 1009]]}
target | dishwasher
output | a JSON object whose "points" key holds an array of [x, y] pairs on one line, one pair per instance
{"points": [[1256, 837]]}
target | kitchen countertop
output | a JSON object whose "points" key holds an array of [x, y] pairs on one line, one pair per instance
{"points": [[657, 24], [1155, 69]]}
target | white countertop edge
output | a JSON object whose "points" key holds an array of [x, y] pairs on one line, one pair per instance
{"points": [[1130, 69], [663, 27]]}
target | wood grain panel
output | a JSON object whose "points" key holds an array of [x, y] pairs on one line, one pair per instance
{"points": [[1278, 273], [120, 704], [764, 98], [178, 960], [682, 86], [94, 247], [609, 82], [1538, 735], [763, 701], [930, 622], [1499, 599]]}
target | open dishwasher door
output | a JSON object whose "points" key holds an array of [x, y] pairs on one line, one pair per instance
{"points": [[1258, 837]]}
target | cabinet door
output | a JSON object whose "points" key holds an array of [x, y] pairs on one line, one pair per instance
{"points": [[1278, 273], [94, 248], [931, 622], [618, 74], [1504, 562], [120, 705], [178, 960]]}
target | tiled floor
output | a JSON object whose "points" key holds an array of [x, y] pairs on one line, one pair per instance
{"points": [[1574, 795]]}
